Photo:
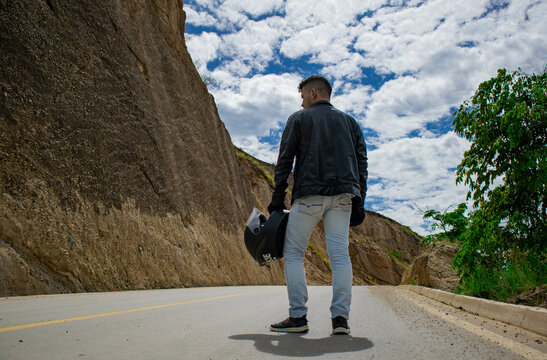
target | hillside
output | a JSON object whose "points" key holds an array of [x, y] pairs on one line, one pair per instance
{"points": [[380, 248], [117, 172]]}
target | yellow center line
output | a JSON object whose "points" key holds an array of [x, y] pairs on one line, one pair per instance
{"points": [[26, 326]]}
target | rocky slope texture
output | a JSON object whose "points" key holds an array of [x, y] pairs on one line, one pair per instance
{"points": [[433, 268], [116, 171]]}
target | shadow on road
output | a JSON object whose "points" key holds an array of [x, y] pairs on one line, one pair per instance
{"points": [[299, 346]]}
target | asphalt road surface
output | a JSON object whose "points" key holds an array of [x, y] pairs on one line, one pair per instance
{"points": [[233, 323]]}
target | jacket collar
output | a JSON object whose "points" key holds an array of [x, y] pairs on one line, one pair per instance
{"points": [[322, 102]]}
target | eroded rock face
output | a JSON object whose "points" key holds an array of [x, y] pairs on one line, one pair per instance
{"points": [[418, 272], [433, 268], [383, 248], [116, 170]]}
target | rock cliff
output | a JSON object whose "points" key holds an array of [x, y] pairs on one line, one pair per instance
{"points": [[433, 267], [116, 170]]}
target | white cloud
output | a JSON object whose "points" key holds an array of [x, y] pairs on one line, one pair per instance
{"points": [[204, 3], [443, 72], [253, 7], [349, 68], [251, 48], [416, 173], [254, 106], [204, 48], [406, 104], [327, 43], [199, 18], [228, 17], [303, 14], [351, 98], [260, 150], [417, 161]]}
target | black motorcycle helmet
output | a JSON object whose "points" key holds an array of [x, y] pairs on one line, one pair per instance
{"points": [[264, 238]]}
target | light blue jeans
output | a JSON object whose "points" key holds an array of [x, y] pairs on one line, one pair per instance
{"points": [[305, 213]]}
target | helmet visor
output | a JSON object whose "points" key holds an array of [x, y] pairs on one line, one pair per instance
{"points": [[254, 220]]}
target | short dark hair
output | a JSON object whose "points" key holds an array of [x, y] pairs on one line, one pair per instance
{"points": [[320, 84]]}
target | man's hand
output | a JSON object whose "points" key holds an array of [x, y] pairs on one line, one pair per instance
{"points": [[278, 203], [357, 211]]}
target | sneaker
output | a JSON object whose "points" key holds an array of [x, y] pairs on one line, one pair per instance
{"points": [[340, 326], [291, 325]]}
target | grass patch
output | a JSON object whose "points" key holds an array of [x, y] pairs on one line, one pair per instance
{"points": [[257, 163], [410, 232], [389, 224], [242, 155], [405, 228], [519, 274], [365, 238], [395, 255]]}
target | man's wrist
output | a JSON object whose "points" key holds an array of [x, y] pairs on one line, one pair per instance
{"points": [[278, 197]]}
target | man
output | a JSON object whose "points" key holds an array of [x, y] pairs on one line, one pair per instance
{"points": [[330, 176]]}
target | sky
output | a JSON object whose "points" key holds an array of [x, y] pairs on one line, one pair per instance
{"points": [[400, 68]]}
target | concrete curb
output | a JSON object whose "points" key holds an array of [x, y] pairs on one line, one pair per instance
{"points": [[529, 318]]}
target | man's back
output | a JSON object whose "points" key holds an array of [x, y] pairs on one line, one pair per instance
{"points": [[325, 142]]}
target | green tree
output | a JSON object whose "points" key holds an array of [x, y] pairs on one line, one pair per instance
{"points": [[505, 169], [453, 224]]}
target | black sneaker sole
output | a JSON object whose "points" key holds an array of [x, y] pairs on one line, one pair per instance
{"points": [[299, 329], [340, 331]]}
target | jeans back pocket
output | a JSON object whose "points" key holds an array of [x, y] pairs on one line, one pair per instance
{"points": [[310, 206]]}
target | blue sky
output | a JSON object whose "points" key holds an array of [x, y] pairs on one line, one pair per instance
{"points": [[401, 68]]}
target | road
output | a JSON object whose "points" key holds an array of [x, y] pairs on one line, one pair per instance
{"points": [[233, 323]]}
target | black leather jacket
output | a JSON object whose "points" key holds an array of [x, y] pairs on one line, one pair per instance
{"points": [[330, 152]]}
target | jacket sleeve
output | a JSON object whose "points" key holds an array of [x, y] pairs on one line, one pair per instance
{"points": [[362, 162], [287, 152]]}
